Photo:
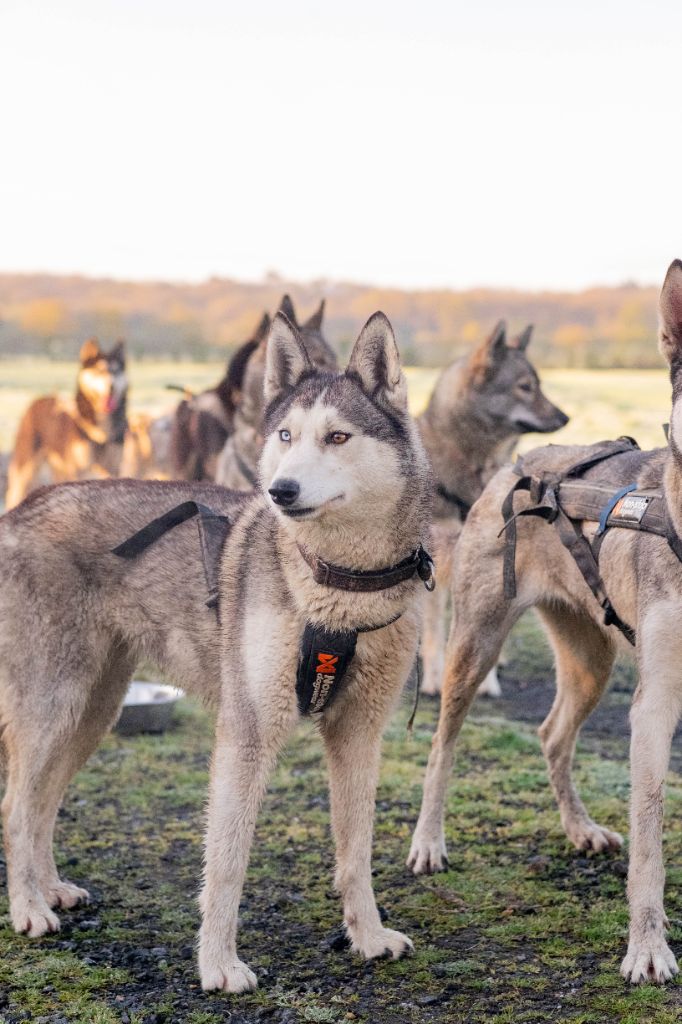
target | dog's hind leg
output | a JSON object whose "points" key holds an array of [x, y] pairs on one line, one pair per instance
{"points": [[476, 638], [654, 715], [44, 752], [584, 656]]}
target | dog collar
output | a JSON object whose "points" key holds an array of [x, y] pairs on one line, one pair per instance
{"points": [[419, 563]]}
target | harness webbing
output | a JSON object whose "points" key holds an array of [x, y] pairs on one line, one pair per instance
{"points": [[567, 501], [462, 506]]}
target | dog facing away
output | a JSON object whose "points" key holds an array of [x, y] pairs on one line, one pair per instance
{"points": [[331, 540], [480, 407], [202, 423], [642, 577], [238, 463], [71, 439]]}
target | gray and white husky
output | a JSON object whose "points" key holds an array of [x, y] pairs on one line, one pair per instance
{"points": [[345, 495]]}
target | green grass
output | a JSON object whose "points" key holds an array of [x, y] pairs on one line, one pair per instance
{"points": [[496, 939]]}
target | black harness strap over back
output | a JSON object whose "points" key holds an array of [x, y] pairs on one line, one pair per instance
{"points": [[213, 529]]}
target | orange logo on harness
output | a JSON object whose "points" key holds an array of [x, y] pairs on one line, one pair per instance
{"points": [[326, 663]]}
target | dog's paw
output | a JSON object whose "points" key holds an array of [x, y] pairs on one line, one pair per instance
{"points": [[31, 916], [381, 942], [230, 976], [587, 835], [649, 961], [427, 855], [65, 895]]}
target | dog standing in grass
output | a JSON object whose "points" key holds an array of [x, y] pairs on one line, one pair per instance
{"points": [[642, 578], [480, 407], [331, 539], [71, 439]]}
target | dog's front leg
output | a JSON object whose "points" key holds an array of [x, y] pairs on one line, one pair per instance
{"points": [[242, 760], [353, 744], [653, 718]]}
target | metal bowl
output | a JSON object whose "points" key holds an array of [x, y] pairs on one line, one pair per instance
{"points": [[148, 707]]}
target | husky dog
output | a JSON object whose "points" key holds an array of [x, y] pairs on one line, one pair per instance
{"points": [[202, 423], [77, 438], [642, 578], [480, 407], [147, 447], [238, 463], [345, 492]]}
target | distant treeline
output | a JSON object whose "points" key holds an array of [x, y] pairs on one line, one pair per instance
{"points": [[47, 314]]}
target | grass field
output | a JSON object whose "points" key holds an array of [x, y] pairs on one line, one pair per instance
{"points": [[521, 928], [600, 403]]}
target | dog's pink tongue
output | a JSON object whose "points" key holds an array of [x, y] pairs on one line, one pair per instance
{"points": [[111, 403]]}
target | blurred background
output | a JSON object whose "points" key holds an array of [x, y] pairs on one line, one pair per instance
{"points": [[170, 170]]}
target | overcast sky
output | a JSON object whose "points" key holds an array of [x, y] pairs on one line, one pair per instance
{"points": [[528, 143]]}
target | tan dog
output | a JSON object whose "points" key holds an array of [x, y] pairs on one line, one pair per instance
{"points": [[480, 407], [327, 552], [60, 439], [642, 578]]}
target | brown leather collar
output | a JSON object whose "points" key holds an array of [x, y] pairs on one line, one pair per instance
{"points": [[419, 563]]}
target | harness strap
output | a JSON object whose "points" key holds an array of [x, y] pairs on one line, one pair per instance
{"points": [[213, 529], [245, 469], [419, 563], [463, 507]]}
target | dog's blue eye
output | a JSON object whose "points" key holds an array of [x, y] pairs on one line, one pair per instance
{"points": [[337, 437], [284, 435]]}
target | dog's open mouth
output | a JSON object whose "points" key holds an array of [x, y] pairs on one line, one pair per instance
{"points": [[301, 512]]}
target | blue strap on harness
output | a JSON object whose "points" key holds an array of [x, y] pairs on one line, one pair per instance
{"points": [[610, 505]]}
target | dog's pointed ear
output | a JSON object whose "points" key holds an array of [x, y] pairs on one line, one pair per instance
{"points": [[670, 314], [375, 363], [485, 359], [314, 323], [119, 351], [286, 360], [90, 351], [522, 340], [286, 306], [262, 329]]}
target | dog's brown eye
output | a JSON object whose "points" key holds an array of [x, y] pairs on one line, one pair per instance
{"points": [[525, 386], [337, 437]]}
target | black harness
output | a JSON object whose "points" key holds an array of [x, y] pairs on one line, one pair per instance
{"points": [[324, 655], [567, 501]]}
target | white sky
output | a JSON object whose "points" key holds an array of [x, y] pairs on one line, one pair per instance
{"points": [[529, 143]]}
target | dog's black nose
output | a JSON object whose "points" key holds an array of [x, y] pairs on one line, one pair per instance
{"points": [[284, 492]]}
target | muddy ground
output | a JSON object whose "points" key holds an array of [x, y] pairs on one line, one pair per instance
{"points": [[520, 928]]}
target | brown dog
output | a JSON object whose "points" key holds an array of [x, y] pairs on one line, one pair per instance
{"points": [[202, 423], [480, 407], [71, 439]]}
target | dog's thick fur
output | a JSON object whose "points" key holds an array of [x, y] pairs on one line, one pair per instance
{"points": [[60, 439], [75, 619], [643, 579], [480, 407], [238, 463], [202, 423]]}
